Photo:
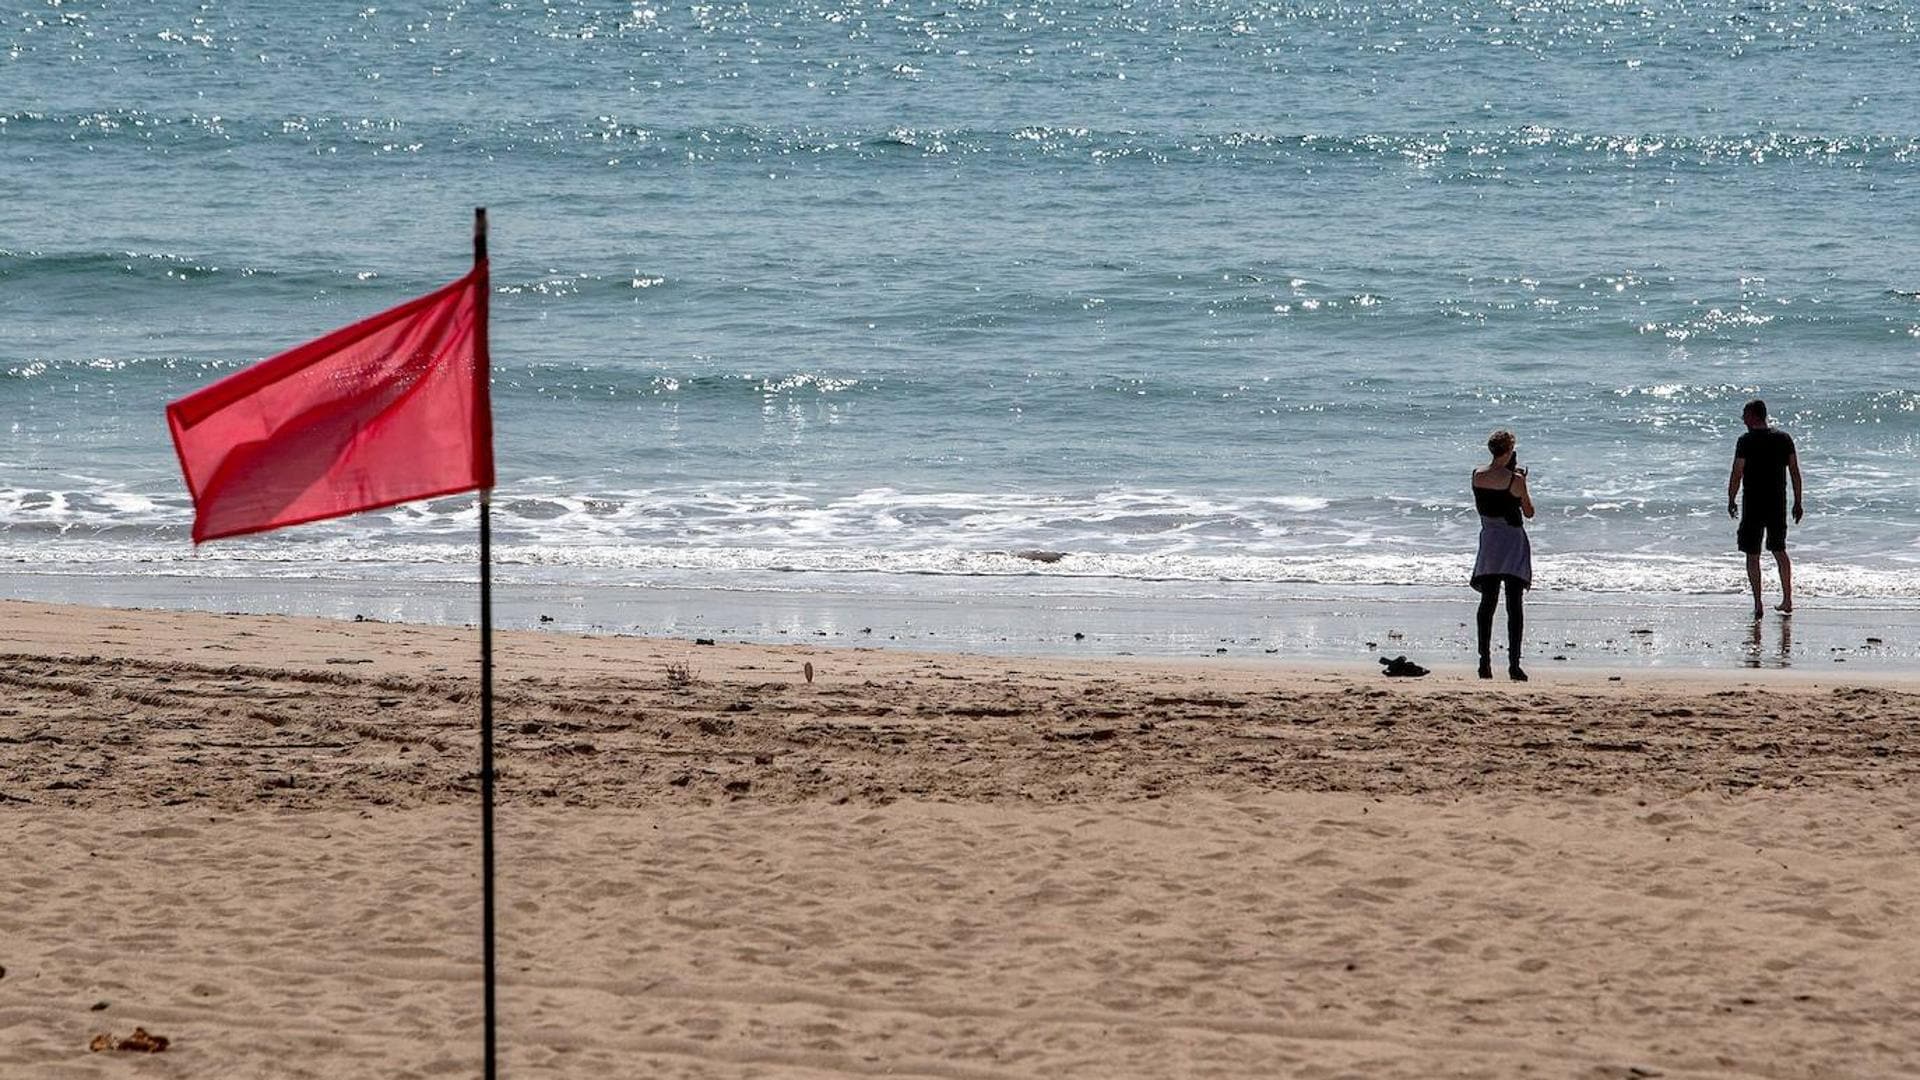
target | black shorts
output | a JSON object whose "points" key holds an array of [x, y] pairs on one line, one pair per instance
{"points": [[1773, 525]]}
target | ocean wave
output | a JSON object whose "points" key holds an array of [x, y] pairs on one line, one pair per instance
{"points": [[1671, 543], [1566, 576], [117, 370], [170, 272], [585, 381], [1464, 153], [1655, 402], [1380, 307], [779, 516]]}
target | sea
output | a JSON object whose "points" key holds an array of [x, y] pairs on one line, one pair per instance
{"points": [[1165, 301]]}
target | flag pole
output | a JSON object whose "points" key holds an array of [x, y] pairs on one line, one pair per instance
{"points": [[486, 667]]}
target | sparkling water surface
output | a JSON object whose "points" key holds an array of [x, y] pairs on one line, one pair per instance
{"points": [[1192, 292]]}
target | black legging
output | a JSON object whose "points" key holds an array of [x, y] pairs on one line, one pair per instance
{"points": [[1516, 618]]}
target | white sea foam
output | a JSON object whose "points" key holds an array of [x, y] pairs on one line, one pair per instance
{"points": [[1359, 572]]}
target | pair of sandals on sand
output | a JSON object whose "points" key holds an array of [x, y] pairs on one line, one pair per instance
{"points": [[1400, 667]]}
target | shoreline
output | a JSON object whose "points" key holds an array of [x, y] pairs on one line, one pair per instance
{"points": [[120, 670], [68, 633], [1299, 624]]}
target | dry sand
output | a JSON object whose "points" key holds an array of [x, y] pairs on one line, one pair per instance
{"points": [[259, 837]]}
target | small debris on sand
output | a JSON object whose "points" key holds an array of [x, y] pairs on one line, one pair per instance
{"points": [[140, 1042]]}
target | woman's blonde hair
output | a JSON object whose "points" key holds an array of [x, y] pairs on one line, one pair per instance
{"points": [[1499, 442]]}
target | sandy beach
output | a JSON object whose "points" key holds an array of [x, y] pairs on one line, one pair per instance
{"points": [[258, 836]]}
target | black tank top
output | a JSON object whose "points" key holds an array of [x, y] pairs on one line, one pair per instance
{"points": [[1499, 503]]}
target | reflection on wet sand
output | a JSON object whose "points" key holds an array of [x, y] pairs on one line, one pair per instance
{"points": [[1756, 653]]}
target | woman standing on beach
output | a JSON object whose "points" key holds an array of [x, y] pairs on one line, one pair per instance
{"points": [[1506, 555]]}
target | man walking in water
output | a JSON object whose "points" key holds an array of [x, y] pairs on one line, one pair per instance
{"points": [[1763, 460]]}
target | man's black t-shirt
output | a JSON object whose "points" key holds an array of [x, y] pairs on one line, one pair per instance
{"points": [[1764, 481]]}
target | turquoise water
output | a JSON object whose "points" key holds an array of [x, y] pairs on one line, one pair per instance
{"points": [[1192, 292]]}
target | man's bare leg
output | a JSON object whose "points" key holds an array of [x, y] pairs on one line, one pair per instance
{"points": [[1753, 579], [1786, 580]]}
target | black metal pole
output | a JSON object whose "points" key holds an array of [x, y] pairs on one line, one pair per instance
{"points": [[486, 685]]}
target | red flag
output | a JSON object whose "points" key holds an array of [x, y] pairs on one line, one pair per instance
{"points": [[387, 410]]}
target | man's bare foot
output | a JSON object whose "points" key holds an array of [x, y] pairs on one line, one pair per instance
{"points": [[1785, 608]]}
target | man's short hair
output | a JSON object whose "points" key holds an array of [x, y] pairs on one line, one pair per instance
{"points": [[1756, 407]]}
